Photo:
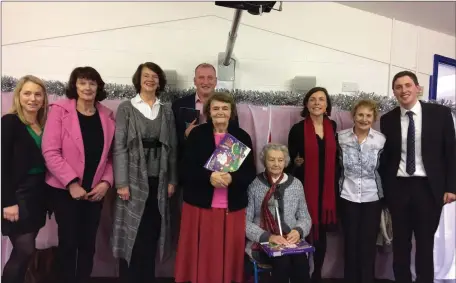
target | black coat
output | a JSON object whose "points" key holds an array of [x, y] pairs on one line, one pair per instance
{"points": [[19, 155], [198, 190]]}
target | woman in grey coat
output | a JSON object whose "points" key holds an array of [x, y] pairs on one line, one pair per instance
{"points": [[145, 171], [261, 220]]}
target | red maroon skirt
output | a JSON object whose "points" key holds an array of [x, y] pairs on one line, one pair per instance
{"points": [[211, 245]]}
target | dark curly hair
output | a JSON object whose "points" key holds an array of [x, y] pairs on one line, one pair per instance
{"points": [[87, 73], [305, 112], [154, 68]]}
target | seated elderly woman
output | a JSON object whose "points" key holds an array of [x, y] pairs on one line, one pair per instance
{"points": [[261, 220]]}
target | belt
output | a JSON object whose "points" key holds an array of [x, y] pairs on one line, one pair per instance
{"points": [[151, 144]]}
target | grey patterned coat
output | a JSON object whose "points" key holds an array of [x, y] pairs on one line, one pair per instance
{"points": [[130, 170], [292, 207]]}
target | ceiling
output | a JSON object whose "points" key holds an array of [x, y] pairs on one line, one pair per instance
{"points": [[437, 16]]}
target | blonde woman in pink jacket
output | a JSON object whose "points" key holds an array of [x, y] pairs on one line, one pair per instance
{"points": [[77, 149]]}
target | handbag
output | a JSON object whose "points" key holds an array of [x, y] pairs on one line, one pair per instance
{"points": [[42, 267], [385, 235]]}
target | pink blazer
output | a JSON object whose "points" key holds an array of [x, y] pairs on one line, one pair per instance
{"points": [[63, 147]]}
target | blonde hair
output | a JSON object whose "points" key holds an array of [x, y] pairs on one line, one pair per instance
{"points": [[368, 103], [17, 107]]}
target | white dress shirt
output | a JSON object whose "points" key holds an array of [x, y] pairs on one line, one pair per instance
{"points": [[360, 181], [150, 112], [418, 119]]}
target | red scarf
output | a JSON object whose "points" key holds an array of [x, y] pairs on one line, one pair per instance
{"points": [[311, 175], [267, 222]]}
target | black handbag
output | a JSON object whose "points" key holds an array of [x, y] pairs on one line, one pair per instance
{"points": [[42, 267]]}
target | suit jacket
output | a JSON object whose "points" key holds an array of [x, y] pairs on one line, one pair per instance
{"points": [[188, 102], [19, 155], [438, 147], [63, 147], [198, 190]]}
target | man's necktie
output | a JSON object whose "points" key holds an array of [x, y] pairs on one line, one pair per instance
{"points": [[410, 161]]}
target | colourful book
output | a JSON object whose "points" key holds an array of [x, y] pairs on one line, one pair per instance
{"points": [[274, 250], [228, 156]]}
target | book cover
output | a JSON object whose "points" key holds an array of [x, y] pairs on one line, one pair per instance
{"points": [[228, 156], [274, 250], [188, 115]]}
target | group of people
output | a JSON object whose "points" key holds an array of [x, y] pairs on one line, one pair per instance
{"points": [[63, 158]]}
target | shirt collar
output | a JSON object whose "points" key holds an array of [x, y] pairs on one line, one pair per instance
{"points": [[197, 98], [137, 99], [416, 109], [370, 134]]}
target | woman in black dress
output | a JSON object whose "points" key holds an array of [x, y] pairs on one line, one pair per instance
{"points": [[312, 146], [23, 187]]}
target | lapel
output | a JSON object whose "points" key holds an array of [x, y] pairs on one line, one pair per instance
{"points": [[70, 123], [426, 127], [164, 127], [29, 142], [209, 126], [192, 103], [396, 131], [108, 129]]}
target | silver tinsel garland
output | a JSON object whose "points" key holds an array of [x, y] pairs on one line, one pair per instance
{"points": [[340, 101]]}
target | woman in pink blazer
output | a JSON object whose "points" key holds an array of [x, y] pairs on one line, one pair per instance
{"points": [[77, 150]]}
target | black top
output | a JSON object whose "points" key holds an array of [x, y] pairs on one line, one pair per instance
{"points": [[296, 145], [438, 149], [93, 140], [198, 190], [19, 155]]}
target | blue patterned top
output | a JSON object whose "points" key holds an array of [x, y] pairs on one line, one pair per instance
{"points": [[360, 180]]}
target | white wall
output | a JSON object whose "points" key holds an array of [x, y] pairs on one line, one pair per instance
{"points": [[333, 42]]}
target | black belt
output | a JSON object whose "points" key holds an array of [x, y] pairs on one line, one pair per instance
{"points": [[151, 144]]}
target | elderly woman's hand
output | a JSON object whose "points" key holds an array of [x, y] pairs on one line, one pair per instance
{"points": [[220, 180], [227, 178], [293, 237], [279, 240]]}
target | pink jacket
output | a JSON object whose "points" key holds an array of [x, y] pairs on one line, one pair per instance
{"points": [[63, 147]]}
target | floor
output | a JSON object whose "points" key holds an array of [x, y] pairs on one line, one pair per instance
{"points": [[170, 280]]}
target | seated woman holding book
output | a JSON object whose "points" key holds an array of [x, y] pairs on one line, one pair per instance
{"points": [[273, 188]]}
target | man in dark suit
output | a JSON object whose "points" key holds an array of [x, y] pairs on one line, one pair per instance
{"points": [[418, 170], [205, 81]]}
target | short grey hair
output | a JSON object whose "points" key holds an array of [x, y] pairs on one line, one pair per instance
{"points": [[275, 146]]}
